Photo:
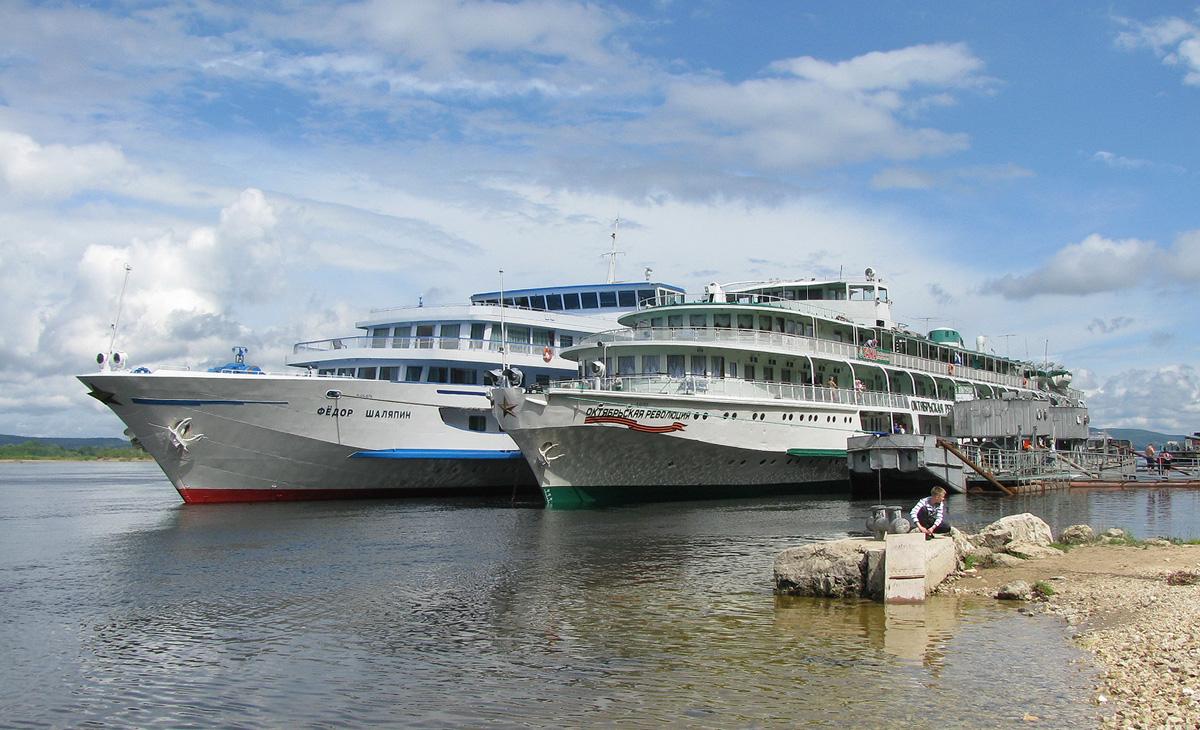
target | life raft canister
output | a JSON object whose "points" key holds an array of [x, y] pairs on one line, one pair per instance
{"points": [[547, 355]]}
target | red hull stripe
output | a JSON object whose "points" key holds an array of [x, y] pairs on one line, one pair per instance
{"points": [[219, 496], [634, 425]]}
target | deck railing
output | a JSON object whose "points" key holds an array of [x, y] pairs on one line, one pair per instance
{"points": [[803, 345], [416, 343], [736, 388]]}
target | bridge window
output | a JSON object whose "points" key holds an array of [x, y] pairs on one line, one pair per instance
{"points": [[571, 301], [589, 300], [554, 302], [608, 299], [629, 299]]}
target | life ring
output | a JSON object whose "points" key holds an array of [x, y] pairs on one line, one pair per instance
{"points": [[547, 355]]}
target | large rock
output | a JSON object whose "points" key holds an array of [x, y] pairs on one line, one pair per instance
{"points": [[1030, 551], [839, 569], [1018, 590], [965, 547], [1077, 535], [1002, 560], [1024, 527]]}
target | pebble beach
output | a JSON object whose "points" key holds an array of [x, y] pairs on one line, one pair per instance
{"points": [[1136, 610]]}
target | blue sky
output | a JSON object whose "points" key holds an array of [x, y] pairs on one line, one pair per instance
{"points": [[1023, 170]]}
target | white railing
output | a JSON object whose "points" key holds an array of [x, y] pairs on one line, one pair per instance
{"points": [[416, 343], [736, 388], [803, 345]]}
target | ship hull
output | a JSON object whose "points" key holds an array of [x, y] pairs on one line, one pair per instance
{"points": [[637, 449], [223, 437]]}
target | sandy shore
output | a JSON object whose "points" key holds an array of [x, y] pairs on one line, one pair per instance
{"points": [[1136, 609]]}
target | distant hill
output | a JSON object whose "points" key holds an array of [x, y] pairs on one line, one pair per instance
{"points": [[66, 443], [1140, 437]]}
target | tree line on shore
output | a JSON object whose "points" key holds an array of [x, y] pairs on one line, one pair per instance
{"points": [[34, 450]]}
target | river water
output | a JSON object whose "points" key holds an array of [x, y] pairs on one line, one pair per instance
{"points": [[122, 608]]}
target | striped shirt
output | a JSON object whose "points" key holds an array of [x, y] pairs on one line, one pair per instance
{"points": [[936, 511]]}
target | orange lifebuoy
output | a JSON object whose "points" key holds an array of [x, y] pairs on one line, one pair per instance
{"points": [[547, 355]]}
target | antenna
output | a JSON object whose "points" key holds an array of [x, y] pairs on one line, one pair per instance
{"points": [[106, 360], [612, 255], [503, 331]]}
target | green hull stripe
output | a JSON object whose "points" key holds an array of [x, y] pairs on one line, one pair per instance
{"points": [[583, 497], [839, 453]]}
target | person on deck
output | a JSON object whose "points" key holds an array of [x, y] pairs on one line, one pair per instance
{"points": [[929, 516]]}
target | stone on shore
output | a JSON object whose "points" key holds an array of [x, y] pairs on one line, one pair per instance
{"points": [[1077, 535], [839, 569], [1030, 551], [1018, 590], [1025, 528]]}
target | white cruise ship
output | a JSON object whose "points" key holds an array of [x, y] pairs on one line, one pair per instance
{"points": [[748, 389], [400, 409]]}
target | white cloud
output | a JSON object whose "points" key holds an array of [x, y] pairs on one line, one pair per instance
{"points": [[1175, 40], [1166, 399], [816, 114], [1092, 266], [30, 169]]}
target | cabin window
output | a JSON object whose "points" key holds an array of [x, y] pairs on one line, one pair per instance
{"points": [[425, 336], [379, 336], [478, 331], [554, 302], [656, 321], [537, 302], [629, 299], [543, 338], [571, 301], [566, 340], [651, 364], [786, 376], [768, 373], [366, 373], [346, 372], [438, 374], [816, 294], [401, 335], [518, 334], [882, 295], [387, 373], [764, 324], [675, 320], [589, 300], [325, 371], [477, 423], [675, 366], [699, 365], [789, 327], [413, 373], [745, 321], [860, 293], [608, 299], [733, 370], [718, 366], [463, 376], [696, 320], [749, 372], [450, 334], [721, 320], [625, 365]]}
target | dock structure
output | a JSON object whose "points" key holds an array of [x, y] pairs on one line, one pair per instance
{"points": [[900, 569]]}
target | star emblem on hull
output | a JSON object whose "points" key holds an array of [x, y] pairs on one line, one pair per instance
{"points": [[104, 396], [508, 408]]}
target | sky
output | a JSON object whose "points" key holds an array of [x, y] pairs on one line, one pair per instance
{"points": [[272, 171]]}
